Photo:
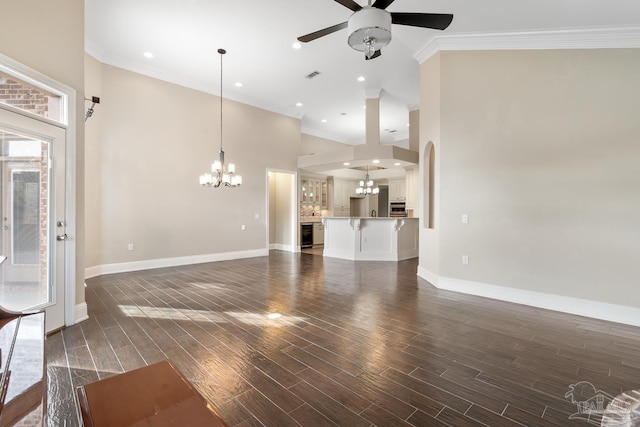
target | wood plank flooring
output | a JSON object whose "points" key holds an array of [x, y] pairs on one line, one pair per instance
{"points": [[358, 344]]}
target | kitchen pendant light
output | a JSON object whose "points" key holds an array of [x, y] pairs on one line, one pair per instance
{"points": [[366, 187], [221, 174]]}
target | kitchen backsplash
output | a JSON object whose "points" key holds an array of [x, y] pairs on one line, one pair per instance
{"points": [[309, 210]]}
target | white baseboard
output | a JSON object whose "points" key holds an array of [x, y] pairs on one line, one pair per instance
{"points": [[170, 262], [281, 247], [581, 307], [428, 276], [81, 313]]}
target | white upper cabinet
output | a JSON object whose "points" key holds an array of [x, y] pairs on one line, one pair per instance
{"points": [[397, 190]]}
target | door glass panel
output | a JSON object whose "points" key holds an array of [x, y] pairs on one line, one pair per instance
{"points": [[25, 212], [24, 230]]}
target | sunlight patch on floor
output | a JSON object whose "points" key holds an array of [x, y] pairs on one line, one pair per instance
{"points": [[171, 313], [254, 319]]}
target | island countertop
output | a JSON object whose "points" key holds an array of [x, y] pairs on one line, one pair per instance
{"points": [[371, 238], [370, 217]]}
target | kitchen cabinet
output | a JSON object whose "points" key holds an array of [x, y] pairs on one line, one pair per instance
{"points": [[322, 192], [314, 192], [412, 188], [304, 197], [343, 191], [318, 233], [397, 190]]}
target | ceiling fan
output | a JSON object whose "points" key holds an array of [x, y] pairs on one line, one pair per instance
{"points": [[370, 26]]}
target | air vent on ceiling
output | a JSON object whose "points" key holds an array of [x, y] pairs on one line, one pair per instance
{"points": [[312, 74]]}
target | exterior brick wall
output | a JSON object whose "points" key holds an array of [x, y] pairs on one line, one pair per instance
{"points": [[21, 96]]}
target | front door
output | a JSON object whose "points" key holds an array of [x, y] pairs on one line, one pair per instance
{"points": [[32, 232]]}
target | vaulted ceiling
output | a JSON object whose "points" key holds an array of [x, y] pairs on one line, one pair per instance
{"points": [[184, 35]]}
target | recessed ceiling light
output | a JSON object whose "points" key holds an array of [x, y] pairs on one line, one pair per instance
{"points": [[238, 84], [324, 120], [296, 45], [347, 164], [298, 104], [375, 161], [274, 315], [396, 164], [361, 79], [408, 124], [148, 55]]}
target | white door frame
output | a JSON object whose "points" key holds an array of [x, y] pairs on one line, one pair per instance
{"points": [[68, 122]]}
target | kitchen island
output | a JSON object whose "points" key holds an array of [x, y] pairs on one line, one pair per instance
{"points": [[370, 238]]}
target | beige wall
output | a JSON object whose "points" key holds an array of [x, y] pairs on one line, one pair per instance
{"points": [[156, 138], [92, 196], [540, 149], [49, 38], [311, 144], [429, 135]]}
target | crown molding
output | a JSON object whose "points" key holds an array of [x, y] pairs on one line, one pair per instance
{"points": [[577, 38]]}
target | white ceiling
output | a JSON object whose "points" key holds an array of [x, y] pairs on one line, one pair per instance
{"points": [[184, 36]]}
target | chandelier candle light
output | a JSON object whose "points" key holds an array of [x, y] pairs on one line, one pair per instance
{"points": [[221, 173], [366, 186]]}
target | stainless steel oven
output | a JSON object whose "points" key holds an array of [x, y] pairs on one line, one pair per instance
{"points": [[397, 209]]}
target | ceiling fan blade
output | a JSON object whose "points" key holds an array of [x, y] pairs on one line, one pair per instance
{"points": [[374, 56], [350, 4], [437, 21], [325, 31], [382, 4]]}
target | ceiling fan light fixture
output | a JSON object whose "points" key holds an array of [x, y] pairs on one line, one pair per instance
{"points": [[369, 30]]}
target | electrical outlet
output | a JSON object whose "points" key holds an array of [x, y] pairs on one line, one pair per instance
{"points": [[130, 247], [243, 227], [257, 216], [465, 219], [465, 259]]}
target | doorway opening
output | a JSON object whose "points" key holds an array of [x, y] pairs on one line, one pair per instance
{"points": [[281, 210]]}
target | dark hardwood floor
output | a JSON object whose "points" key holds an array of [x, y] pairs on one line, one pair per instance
{"points": [[358, 344]]}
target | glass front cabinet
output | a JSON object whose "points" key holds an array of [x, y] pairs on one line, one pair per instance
{"points": [[314, 192]]}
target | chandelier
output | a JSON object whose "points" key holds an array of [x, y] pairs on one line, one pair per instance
{"points": [[366, 187], [221, 173]]}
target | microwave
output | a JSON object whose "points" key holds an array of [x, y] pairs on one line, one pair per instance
{"points": [[397, 209]]}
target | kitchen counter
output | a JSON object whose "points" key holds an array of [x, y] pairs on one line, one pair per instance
{"points": [[308, 219], [370, 238]]}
